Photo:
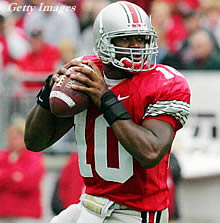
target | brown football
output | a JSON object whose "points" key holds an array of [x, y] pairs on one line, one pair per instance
{"points": [[65, 101]]}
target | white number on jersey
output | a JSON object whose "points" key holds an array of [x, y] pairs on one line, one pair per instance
{"points": [[169, 72], [121, 174]]}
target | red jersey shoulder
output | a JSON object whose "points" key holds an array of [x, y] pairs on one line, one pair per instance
{"points": [[173, 78], [164, 92], [164, 83]]}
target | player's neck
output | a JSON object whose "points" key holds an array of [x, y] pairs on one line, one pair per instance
{"points": [[112, 72], [112, 82]]}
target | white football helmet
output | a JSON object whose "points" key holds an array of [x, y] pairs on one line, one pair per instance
{"points": [[125, 19]]}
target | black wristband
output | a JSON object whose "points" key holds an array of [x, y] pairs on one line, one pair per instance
{"points": [[44, 94], [112, 108]]}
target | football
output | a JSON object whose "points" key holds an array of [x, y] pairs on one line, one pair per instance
{"points": [[65, 101]]}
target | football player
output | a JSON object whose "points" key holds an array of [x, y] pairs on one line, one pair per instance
{"points": [[125, 135]]}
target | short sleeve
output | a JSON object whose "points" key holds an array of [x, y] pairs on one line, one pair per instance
{"points": [[172, 99]]}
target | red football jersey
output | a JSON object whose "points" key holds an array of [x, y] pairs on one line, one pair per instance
{"points": [[107, 168]]}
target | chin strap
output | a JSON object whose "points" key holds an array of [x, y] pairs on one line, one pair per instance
{"points": [[126, 63]]}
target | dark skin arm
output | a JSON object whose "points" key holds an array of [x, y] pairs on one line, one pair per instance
{"points": [[43, 129], [147, 143]]}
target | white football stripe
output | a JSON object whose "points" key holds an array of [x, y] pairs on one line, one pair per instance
{"points": [[63, 97]]}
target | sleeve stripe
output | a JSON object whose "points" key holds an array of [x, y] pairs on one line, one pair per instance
{"points": [[178, 109]]}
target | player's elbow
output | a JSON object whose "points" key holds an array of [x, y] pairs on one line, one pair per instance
{"points": [[150, 159], [149, 162], [153, 153]]}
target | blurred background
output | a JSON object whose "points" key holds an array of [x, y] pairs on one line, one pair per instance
{"points": [[34, 44]]}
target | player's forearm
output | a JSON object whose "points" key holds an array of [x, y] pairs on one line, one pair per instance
{"points": [[39, 128], [43, 128], [140, 142]]}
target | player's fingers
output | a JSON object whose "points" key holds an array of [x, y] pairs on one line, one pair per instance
{"points": [[94, 67], [55, 77], [84, 70], [73, 63], [88, 71], [82, 79], [80, 88], [63, 71]]}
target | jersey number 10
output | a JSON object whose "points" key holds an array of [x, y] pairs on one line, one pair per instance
{"points": [[121, 174]]}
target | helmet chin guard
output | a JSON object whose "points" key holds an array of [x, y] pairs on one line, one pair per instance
{"points": [[127, 64], [125, 19]]}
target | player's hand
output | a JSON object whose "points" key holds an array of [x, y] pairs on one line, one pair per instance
{"points": [[94, 84], [64, 70]]}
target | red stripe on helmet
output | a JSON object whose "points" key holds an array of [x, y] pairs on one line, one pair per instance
{"points": [[133, 12]]}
